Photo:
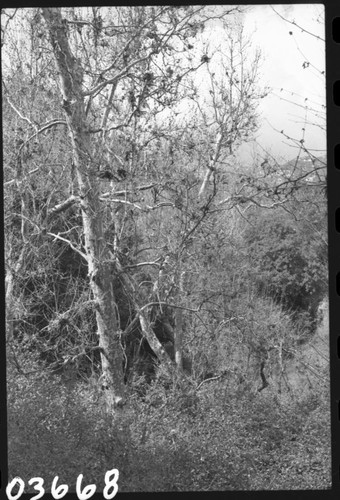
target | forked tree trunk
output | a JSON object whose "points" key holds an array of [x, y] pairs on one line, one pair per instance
{"points": [[144, 320], [98, 258], [153, 341]]}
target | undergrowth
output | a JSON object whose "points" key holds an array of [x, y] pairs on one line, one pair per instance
{"points": [[170, 439]]}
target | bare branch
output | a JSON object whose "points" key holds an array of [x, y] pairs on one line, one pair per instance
{"points": [[69, 243], [140, 264], [34, 125], [22, 216], [126, 191], [64, 205], [160, 205], [146, 208], [107, 109], [12, 181], [10, 17], [46, 127], [117, 77], [137, 34], [217, 377], [124, 202], [297, 25], [162, 303]]}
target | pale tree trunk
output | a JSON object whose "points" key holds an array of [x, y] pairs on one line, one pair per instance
{"points": [[9, 289], [178, 333], [153, 341], [98, 258], [12, 269], [144, 320], [9, 285], [212, 163]]}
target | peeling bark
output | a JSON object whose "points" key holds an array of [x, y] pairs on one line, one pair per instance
{"points": [[98, 257]]}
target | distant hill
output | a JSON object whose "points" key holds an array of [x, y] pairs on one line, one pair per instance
{"points": [[316, 167], [307, 163]]}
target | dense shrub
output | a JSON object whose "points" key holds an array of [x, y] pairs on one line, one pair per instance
{"points": [[288, 261], [173, 438]]}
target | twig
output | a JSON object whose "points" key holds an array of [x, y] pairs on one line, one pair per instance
{"points": [[126, 191], [161, 303], [295, 24], [69, 243], [34, 125], [140, 264], [212, 378]]}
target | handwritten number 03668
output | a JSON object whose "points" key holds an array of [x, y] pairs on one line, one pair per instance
{"points": [[109, 491]]}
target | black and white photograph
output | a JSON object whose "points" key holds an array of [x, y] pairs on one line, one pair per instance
{"points": [[165, 249]]}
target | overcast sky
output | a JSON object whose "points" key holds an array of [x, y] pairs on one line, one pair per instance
{"points": [[284, 55]]}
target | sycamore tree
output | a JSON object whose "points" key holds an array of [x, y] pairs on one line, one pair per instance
{"points": [[108, 163]]}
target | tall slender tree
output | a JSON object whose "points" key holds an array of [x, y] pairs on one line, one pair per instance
{"points": [[122, 74], [97, 254]]}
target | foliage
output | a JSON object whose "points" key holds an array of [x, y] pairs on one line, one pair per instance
{"points": [[174, 439], [288, 258]]}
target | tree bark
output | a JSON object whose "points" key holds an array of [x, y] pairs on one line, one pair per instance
{"points": [[178, 333], [144, 320], [12, 269], [9, 291], [153, 341], [100, 265]]}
